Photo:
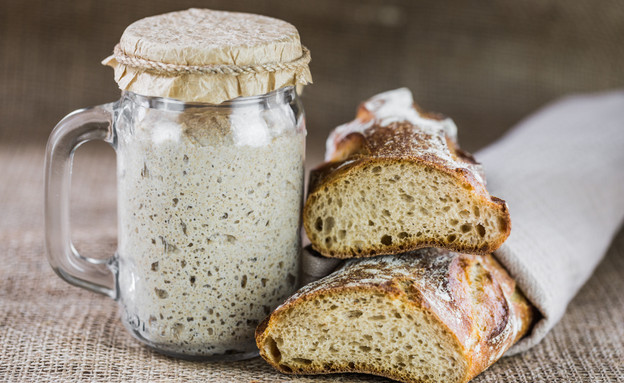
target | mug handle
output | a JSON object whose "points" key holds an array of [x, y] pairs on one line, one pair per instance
{"points": [[75, 129]]}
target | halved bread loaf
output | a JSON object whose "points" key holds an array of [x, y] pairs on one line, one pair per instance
{"points": [[396, 181], [425, 316]]}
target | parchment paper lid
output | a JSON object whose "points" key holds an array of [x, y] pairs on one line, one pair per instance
{"points": [[201, 55]]}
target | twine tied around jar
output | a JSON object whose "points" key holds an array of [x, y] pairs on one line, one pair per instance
{"points": [[233, 70]]}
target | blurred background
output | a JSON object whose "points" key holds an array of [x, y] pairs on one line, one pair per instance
{"points": [[486, 64]]}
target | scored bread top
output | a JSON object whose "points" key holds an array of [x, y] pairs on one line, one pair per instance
{"points": [[390, 125], [385, 108]]}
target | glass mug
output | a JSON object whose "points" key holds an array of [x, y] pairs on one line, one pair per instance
{"points": [[209, 202]]}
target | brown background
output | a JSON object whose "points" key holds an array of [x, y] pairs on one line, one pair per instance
{"points": [[484, 63]]}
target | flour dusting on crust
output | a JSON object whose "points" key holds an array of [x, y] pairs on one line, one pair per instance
{"points": [[428, 269], [393, 126]]}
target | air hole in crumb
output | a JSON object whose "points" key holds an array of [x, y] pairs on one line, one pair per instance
{"points": [[451, 238], [476, 211], [285, 368], [272, 350], [454, 222], [403, 235], [371, 223], [318, 224], [466, 227], [407, 198], [376, 169], [342, 234], [365, 348], [302, 361], [481, 230], [329, 224], [354, 314], [386, 240], [446, 208], [377, 317], [385, 212], [464, 213]]}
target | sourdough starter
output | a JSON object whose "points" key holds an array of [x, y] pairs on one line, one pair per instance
{"points": [[209, 214]]}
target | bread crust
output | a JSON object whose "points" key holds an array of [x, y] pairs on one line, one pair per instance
{"points": [[472, 297]]}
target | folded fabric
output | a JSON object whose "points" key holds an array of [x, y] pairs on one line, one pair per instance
{"points": [[561, 172]]}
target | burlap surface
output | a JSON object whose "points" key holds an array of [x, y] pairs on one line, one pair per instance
{"points": [[50, 331]]}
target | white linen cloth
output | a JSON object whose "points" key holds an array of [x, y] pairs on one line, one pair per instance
{"points": [[561, 172]]}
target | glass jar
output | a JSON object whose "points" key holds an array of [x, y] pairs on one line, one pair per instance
{"points": [[209, 202]]}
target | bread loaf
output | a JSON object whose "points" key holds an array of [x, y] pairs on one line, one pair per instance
{"points": [[395, 180], [425, 316]]}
